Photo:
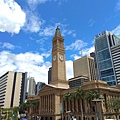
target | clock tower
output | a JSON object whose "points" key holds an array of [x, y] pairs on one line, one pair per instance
{"points": [[58, 61]]}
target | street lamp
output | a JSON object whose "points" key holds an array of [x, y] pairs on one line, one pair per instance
{"points": [[98, 111]]}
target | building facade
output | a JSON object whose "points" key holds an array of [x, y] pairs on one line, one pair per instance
{"points": [[107, 57], [85, 66], [53, 106], [13, 88], [31, 86], [115, 53], [77, 81]]}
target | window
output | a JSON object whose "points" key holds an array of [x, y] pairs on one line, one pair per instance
{"points": [[101, 43], [108, 78], [107, 73], [105, 64], [103, 55]]}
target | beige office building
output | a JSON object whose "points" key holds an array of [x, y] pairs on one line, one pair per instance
{"points": [[13, 87], [85, 66]]}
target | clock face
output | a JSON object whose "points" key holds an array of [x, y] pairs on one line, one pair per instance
{"points": [[54, 58], [61, 57]]}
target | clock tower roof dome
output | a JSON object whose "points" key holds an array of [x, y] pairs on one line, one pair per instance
{"points": [[57, 33]]}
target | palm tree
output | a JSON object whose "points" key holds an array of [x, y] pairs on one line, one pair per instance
{"points": [[68, 97], [91, 95], [79, 94], [23, 107], [31, 105], [114, 104]]}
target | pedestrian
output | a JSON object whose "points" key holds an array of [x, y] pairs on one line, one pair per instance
{"points": [[25, 118]]}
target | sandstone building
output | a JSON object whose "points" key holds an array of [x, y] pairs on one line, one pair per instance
{"points": [[52, 106]]}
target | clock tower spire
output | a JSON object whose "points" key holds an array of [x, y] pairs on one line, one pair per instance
{"points": [[58, 61]]}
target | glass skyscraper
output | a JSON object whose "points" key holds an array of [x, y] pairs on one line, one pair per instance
{"points": [[107, 50]]}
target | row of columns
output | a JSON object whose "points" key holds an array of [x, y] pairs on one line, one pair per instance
{"points": [[47, 104], [73, 106]]}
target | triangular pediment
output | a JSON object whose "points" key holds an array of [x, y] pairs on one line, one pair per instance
{"points": [[50, 89]]}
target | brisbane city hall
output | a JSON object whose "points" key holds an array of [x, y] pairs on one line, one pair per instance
{"points": [[52, 106]]}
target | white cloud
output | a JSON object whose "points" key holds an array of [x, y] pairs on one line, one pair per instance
{"points": [[87, 51], [91, 22], [83, 52], [77, 45], [7, 45], [50, 30], [47, 31], [33, 3], [25, 62], [75, 56], [33, 63], [69, 69], [12, 17], [33, 22], [74, 34], [118, 5], [36, 1], [116, 31]]}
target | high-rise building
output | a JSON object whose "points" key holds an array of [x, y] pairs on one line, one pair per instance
{"points": [[85, 66], [107, 50], [13, 88], [39, 85], [49, 75], [31, 86]]}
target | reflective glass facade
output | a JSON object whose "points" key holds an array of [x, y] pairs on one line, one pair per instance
{"points": [[105, 67]]}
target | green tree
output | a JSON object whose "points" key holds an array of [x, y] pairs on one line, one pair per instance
{"points": [[91, 95], [67, 96], [22, 107], [79, 94], [114, 104], [31, 105]]}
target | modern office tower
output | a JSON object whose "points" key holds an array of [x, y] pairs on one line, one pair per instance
{"points": [[31, 86], [39, 85], [13, 87], [49, 75], [85, 67], [107, 50]]}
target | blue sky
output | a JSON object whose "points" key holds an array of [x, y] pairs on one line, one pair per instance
{"points": [[28, 26]]}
